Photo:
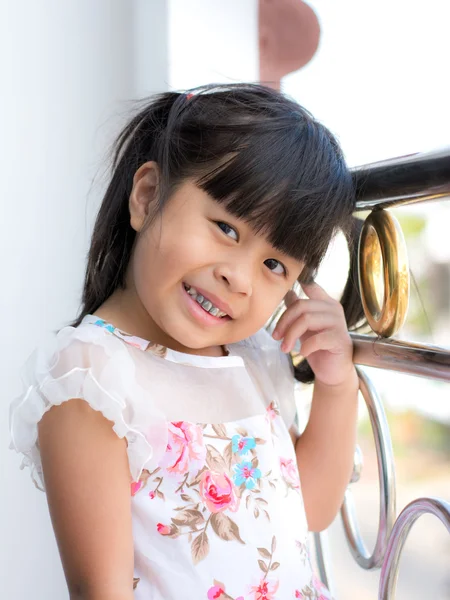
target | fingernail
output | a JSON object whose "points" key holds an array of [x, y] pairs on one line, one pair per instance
{"points": [[275, 334]]}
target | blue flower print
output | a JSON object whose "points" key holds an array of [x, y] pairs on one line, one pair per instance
{"points": [[241, 445], [105, 325], [246, 473]]}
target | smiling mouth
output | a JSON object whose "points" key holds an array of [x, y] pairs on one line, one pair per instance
{"points": [[206, 304]]}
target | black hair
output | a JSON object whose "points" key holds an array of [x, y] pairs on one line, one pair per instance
{"points": [[259, 153]]}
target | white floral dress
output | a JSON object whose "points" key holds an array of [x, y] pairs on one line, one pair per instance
{"points": [[216, 498]]}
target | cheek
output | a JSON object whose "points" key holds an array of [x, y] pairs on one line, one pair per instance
{"points": [[269, 300], [144, 269], [163, 260], [262, 307], [184, 254]]}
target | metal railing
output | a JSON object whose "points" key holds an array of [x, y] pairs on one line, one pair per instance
{"points": [[380, 186]]}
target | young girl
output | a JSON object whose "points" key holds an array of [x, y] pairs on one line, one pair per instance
{"points": [[162, 422]]}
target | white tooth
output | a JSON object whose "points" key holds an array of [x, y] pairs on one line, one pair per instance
{"points": [[207, 305], [192, 291], [221, 314], [214, 311], [199, 298]]}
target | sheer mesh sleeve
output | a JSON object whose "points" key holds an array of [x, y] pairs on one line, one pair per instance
{"points": [[89, 364]]}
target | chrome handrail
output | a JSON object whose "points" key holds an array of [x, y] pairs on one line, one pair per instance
{"points": [[386, 476], [322, 558], [405, 180], [408, 179], [404, 357], [405, 521]]}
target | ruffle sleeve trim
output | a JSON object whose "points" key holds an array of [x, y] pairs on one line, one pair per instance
{"points": [[85, 363]]}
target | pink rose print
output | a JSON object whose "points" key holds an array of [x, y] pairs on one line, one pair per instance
{"points": [[185, 449], [289, 471], [163, 529], [136, 486], [266, 590], [298, 594], [215, 592], [151, 495], [272, 411], [217, 492]]}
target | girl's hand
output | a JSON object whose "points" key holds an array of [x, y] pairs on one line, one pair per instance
{"points": [[319, 323]]}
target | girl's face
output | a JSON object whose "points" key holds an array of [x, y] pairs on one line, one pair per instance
{"points": [[199, 278]]}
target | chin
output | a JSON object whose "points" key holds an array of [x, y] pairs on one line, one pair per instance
{"points": [[191, 339], [199, 342]]}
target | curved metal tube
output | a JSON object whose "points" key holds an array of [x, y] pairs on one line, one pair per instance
{"points": [[358, 463], [409, 179], [322, 558], [386, 474], [428, 361], [400, 531]]}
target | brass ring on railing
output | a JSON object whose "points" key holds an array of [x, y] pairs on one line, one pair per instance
{"points": [[383, 256], [386, 475], [400, 531]]}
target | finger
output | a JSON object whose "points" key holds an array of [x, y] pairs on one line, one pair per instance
{"points": [[325, 340], [307, 322], [314, 291], [290, 298], [296, 309]]}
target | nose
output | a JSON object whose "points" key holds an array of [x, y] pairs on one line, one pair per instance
{"points": [[237, 277]]}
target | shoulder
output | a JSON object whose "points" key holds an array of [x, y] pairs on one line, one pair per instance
{"points": [[269, 351], [271, 362], [90, 364], [73, 355]]}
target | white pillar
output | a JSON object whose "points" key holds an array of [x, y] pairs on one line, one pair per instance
{"points": [[67, 70]]}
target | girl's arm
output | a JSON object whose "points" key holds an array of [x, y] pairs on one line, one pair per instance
{"points": [[326, 449], [87, 480]]}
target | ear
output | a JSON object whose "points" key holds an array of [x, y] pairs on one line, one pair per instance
{"points": [[144, 194]]}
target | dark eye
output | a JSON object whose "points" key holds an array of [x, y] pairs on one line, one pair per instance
{"points": [[275, 266], [228, 230]]}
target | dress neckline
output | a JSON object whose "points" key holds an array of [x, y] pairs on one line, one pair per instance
{"points": [[233, 359]]}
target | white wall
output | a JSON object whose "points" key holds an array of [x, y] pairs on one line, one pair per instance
{"points": [[68, 70], [212, 41]]}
